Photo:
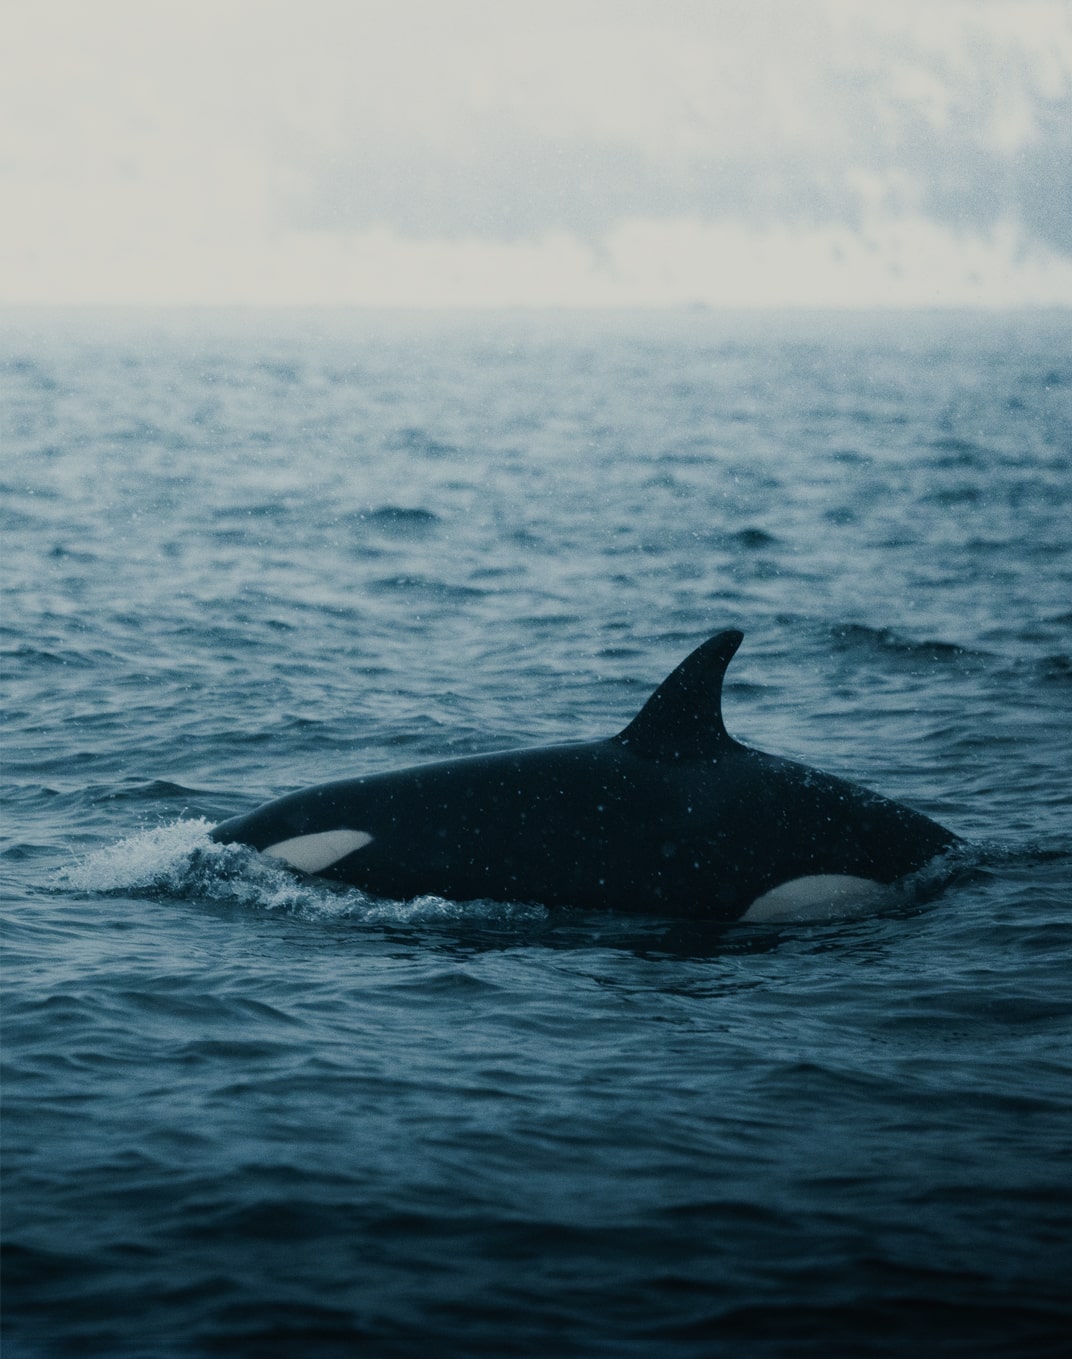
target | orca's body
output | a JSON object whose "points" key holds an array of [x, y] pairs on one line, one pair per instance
{"points": [[670, 817]]}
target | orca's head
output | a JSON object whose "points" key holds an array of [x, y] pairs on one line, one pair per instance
{"points": [[271, 831]]}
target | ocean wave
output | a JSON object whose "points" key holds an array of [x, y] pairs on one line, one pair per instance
{"points": [[178, 860], [400, 519], [853, 636]]}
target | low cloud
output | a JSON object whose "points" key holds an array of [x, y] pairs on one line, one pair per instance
{"points": [[482, 153]]}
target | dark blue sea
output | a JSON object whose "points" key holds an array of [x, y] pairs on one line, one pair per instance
{"points": [[247, 1114]]}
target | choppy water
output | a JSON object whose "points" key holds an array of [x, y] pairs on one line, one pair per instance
{"points": [[249, 1115]]}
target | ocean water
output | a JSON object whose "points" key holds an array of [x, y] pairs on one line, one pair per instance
{"points": [[247, 1114]]}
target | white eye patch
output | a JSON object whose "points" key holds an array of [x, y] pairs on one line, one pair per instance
{"points": [[314, 853]]}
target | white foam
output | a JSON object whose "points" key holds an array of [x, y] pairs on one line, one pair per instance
{"points": [[314, 853], [179, 861], [146, 859], [820, 896]]}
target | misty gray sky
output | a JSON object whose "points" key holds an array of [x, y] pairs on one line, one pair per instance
{"points": [[500, 151]]}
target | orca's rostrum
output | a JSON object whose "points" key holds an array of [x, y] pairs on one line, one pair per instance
{"points": [[670, 816]]}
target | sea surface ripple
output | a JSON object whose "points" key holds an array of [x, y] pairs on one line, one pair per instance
{"points": [[247, 1114]]}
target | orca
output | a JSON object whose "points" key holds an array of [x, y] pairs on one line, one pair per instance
{"points": [[671, 816]]}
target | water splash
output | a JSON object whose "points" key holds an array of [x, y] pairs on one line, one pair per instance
{"points": [[151, 859], [178, 860]]}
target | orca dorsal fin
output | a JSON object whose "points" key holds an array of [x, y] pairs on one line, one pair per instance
{"points": [[683, 718]]}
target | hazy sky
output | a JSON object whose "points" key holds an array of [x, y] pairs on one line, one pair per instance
{"points": [[454, 152]]}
